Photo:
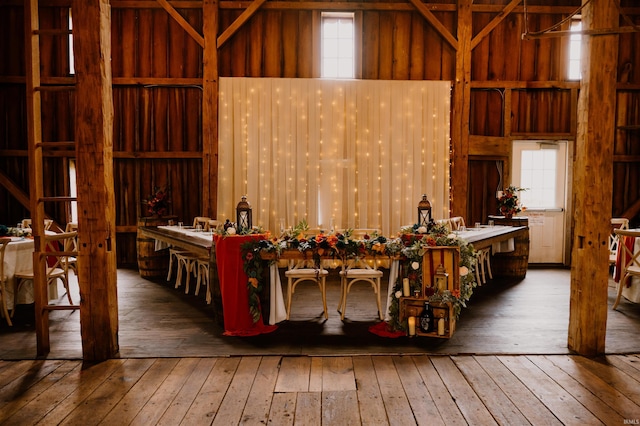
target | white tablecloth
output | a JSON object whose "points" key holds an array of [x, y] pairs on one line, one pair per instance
{"points": [[18, 258], [499, 247]]}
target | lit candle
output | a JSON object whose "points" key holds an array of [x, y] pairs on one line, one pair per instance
{"points": [[441, 326], [412, 325], [405, 287]]}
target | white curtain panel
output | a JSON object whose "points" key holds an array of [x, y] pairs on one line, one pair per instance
{"points": [[353, 153]]}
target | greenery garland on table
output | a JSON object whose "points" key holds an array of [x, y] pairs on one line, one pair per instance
{"points": [[410, 245], [415, 241]]}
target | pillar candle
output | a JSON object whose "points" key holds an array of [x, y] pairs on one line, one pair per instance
{"points": [[412, 325], [405, 287], [441, 326]]}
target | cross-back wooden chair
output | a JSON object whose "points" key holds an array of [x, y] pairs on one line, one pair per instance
{"points": [[3, 281], [301, 270], [616, 223], [71, 245], [202, 221], [629, 258], [58, 268]]}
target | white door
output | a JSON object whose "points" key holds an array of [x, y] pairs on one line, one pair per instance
{"points": [[541, 168]]}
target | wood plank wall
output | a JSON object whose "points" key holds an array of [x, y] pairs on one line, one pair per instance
{"points": [[519, 90]]}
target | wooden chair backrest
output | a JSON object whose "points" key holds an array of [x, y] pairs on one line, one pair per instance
{"points": [[3, 245], [202, 221], [629, 259], [54, 243]]}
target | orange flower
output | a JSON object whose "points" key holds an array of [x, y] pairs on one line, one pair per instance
{"points": [[455, 293], [254, 282]]}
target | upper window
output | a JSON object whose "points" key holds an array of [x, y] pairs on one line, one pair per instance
{"points": [[72, 65], [575, 50], [338, 58]]}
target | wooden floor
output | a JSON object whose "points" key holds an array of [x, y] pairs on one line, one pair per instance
{"points": [[157, 320], [507, 364], [368, 390]]}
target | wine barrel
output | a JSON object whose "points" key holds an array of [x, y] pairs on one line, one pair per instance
{"points": [[512, 264], [151, 263]]}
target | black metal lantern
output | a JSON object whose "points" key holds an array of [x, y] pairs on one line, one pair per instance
{"points": [[243, 215], [424, 211]]}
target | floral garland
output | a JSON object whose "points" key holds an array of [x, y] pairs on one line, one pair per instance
{"points": [[253, 266], [410, 245], [415, 242], [8, 231]]}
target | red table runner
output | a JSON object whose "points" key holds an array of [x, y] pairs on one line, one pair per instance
{"points": [[233, 287]]}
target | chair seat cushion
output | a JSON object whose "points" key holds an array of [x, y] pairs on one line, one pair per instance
{"points": [[353, 273], [306, 272]]}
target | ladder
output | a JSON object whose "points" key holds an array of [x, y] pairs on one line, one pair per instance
{"points": [[36, 148]]}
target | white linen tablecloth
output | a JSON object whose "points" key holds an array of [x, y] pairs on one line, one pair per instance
{"points": [[18, 258]]}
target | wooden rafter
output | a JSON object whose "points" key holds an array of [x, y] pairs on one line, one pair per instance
{"points": [[240, 20], [494, 23], [182, 22], [14, 190], [429, 16]]}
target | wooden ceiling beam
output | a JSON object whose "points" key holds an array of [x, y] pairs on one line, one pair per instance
{"points": [[15, 190], [494, 23], [431, 18], [240, 20], [182, 22]]}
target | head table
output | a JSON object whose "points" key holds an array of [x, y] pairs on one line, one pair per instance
{"points": [[229, 281]]}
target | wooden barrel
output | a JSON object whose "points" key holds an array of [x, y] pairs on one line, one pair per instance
{"points": [[512, 264], [151, 263]]}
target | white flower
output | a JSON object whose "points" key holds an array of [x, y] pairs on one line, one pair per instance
{"points": [[398, 294], [452, 236], [464, 271], [231, 231], [415, 265], [422, 230]]}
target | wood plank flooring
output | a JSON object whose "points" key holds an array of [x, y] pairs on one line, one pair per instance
{"points": [[367, 390], [507, 364], [157, 320]]}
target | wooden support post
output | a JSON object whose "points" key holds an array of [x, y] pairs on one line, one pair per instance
{"points": [[461, 112], [210, 87], [97, 274], [592, 182]]}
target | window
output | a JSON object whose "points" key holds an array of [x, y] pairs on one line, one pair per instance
{"points": [[72, 66], [575, 50], [73, 190], [338, 45]]}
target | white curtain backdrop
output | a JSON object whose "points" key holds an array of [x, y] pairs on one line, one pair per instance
{"points": [[358, 153]]}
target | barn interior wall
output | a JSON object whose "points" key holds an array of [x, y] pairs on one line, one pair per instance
{"points": [[519, 90]]}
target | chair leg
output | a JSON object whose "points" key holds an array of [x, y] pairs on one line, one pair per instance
{"points": [[323, 287], [171, 256], [289, 294], [620, 287], [178, 273], [482, 260], [188, 266], [5, 311], [376, 288], [65, 283], [477, 265], [343, 296], [489, 264]]}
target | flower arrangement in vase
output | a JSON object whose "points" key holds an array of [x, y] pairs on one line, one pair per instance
{"points": [[157, 203], [508, 203]]}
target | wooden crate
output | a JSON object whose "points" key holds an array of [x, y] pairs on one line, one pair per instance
{"points": [[449, 258], [412, 306]]}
